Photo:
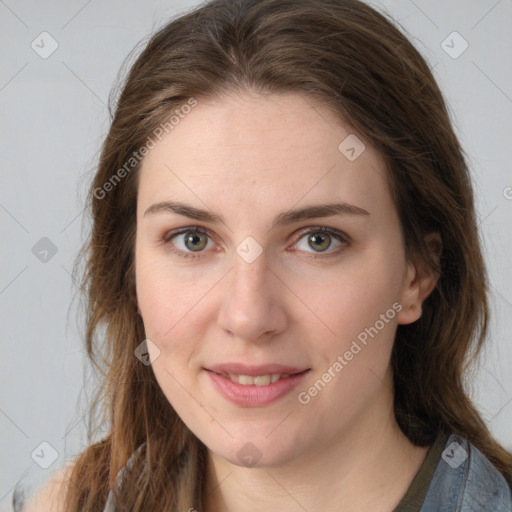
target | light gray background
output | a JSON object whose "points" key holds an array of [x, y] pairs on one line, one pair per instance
{"points": [[53, 119]]}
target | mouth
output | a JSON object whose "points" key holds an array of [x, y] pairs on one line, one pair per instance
{"points": [[255, 386], [257, 380]]}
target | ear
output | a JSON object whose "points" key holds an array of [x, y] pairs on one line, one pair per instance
{"points": [[419, 282]]}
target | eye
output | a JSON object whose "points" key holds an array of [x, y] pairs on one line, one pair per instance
{"points": [[320, 239], [189, 241]]}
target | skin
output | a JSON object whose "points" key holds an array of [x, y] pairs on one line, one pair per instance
{"points": [[248, 158]]}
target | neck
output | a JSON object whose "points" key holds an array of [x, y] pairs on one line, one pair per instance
{"points": [[369, 467]]}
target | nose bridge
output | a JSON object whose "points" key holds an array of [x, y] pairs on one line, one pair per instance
{"points": [[249, 280], [251, 306], [250, 267]]}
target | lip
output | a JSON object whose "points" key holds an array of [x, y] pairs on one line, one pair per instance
{"points": [[253, 371], [252, 395]]}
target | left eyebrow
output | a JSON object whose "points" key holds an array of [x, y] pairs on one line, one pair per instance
{"points": [[322, 210], [283, 219]]}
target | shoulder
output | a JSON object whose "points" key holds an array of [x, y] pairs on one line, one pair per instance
{"points": [[50, 497], [466, 481], [485, 485]]}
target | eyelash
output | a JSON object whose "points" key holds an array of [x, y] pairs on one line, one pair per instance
{"points": [[334, 233]]}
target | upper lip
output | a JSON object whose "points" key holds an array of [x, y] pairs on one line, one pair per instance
{"points": [[244, 369]]}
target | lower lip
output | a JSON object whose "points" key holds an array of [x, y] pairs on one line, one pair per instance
{"points": [[255, 396]]}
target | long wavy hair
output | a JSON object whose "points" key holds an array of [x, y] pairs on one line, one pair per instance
{"points": [[357, 62]]}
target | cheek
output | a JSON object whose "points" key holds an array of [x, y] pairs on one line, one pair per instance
{"points": [[155, 305], [171, 311], [164, 304], [356, 298], [355, 359], [360, 308], [175, 310], [163, 297]]}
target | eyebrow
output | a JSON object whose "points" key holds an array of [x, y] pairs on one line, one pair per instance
{"points": [[283, 219]]}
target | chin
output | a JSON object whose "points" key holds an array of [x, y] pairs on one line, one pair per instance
{"points": [[257, 451]]}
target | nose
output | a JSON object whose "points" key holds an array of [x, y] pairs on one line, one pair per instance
{"points": [[252, 309]]}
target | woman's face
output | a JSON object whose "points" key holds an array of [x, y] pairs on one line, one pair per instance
{"points": [[273, 281]]}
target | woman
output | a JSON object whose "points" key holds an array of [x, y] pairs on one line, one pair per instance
{"points": [[284, 268]]}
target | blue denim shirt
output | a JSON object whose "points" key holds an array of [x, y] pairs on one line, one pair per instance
{"points": [[466, 481]]}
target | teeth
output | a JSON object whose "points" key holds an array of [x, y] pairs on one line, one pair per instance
{"points": [[262, 380], [259, 380], [246, 380]]}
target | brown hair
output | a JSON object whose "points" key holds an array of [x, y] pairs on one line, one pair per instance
{"points": [[357, 62]]}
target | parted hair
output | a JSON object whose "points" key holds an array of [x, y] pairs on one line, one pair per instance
{"points": [[360, 63]]}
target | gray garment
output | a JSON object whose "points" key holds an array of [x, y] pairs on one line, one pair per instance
{"points": [[111, 504]]}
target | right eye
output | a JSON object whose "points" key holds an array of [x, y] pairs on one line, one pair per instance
{"points": [[185, 242]]}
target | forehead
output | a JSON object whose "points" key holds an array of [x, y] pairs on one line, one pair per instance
{"points": [[265, 150]]}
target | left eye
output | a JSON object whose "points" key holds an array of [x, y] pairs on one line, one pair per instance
{"points": [[320, 239]]}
